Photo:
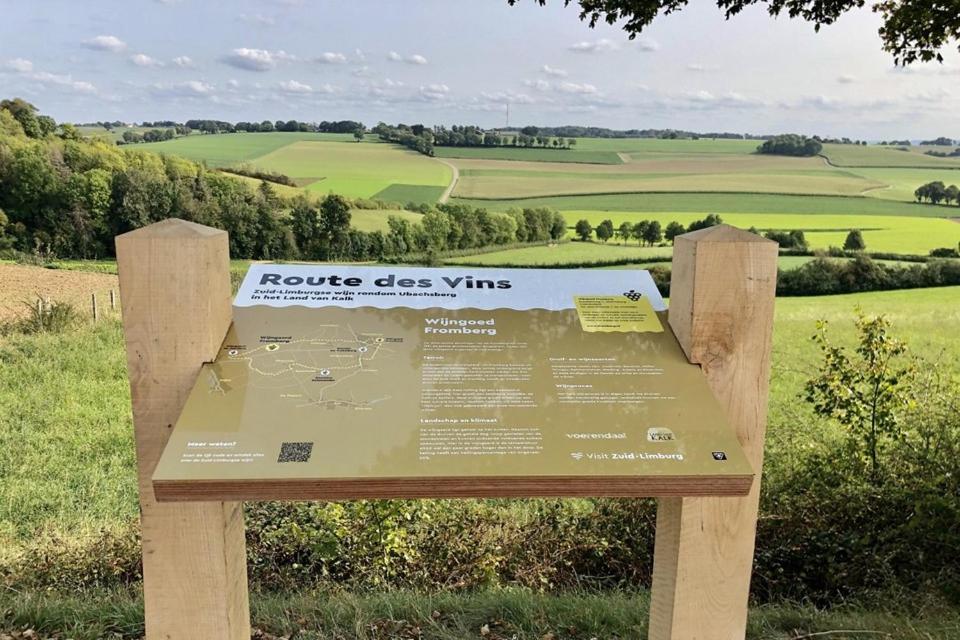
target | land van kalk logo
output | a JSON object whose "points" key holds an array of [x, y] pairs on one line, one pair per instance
{"points": [[660, 434]]}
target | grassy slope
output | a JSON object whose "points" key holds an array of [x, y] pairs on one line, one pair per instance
{"points": [[902, 182], [223, 150], [846, 155], [352, 169], [376, 219]]}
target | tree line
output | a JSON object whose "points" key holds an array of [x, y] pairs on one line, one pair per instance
{"points": [[68, 197], [423, 139], [791, 144], [645, 232], [323, 232], [937, 192]]}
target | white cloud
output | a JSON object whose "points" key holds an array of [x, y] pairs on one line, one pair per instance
{"points": [[648, 45], [539, 85], [188, 89], [846, 79], [105, 43], [434, 92], [143, 60], [596, 46], [255, 59], [329, 57], [506, 96], [258, 19], [359, 54], [292, 86], [20, 65], [232, 83], [25, 68], [573, 87], [696, 67], [553, 71], [361, 72], [414, 58], [184, 62], [65, 81]]}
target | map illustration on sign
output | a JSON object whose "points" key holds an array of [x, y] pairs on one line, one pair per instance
{"points": [[350, 382]]}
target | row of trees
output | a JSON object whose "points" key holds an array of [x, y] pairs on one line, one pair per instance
{"points": [[791, 144], [323, 232], [153, 135], [422, 139], [937, 192], [645, 232], [220, 126]]}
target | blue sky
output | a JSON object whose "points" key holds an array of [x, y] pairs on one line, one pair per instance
{"points": [[462, 61]]}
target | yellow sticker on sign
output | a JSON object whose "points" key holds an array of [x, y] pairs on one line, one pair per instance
{"points": [[617, 313]]}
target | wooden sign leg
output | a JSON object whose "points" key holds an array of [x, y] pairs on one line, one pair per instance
{"points": [[175, 294], [721, 310]]}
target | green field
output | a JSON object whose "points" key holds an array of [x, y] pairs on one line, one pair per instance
{"points": [[639, 146], [851, 155], [901, 182], [704, 203], [562, 254], [882, 233], [224, 150], [376, 219], [574, 155], [322, 162]]}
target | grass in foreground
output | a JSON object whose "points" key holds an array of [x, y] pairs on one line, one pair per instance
{"points": [[496, 614]]}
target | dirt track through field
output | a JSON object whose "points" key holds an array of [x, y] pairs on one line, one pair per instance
{"points": [[21, 285], [453, 180]]}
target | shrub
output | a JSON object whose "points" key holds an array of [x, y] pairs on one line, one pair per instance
{"points": [[44, 317]]}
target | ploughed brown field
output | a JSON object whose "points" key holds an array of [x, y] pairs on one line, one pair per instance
{"points": [[21, 285]]}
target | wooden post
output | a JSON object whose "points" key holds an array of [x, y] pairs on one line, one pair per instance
{"points": [[93, 303], [721, 309], [113, 300], [175, 294]]}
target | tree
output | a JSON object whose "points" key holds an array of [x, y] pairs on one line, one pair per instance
{"points": [[605, 230], [305, 225], [854, 241], [558, 226], [639, 230], [623, 231], [862, 390], [334, 224], [912, 30], [583, 230], [653, 234], [24, 113], [673, 230], [711, 220], [952, 194], [358, 133]]}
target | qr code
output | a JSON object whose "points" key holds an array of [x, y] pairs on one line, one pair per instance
{"points": [[295, 452]]}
